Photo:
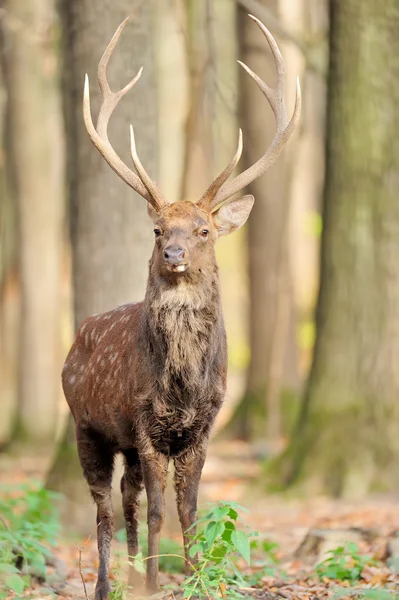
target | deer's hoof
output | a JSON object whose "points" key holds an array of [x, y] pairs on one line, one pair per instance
{"points": [[102, 590]]}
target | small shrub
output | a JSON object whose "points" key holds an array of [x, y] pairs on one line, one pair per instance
{"points": [[344, 563], [28, 525], [267, 563], [217, 542]]}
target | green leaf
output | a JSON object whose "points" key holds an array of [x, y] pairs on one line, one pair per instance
{"points": [[218, 513], [138, 563], [352, 548], [213, 530], [194, 549], [235, 505], [233, 514], [16, 583], [7, 568], [241, 544]]}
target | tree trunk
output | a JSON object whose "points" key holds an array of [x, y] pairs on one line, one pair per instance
{"points": [[346, 440], [173, 92], [35, 169], [308, 178], [9, 287], [197, 169], [111, 232], [271, 326]]}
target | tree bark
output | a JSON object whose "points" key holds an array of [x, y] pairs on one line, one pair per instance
{"points": [[110, 230], [269, 277], [35, 171], [346, 439], [197, 168], [9, 286], [308, 179]]}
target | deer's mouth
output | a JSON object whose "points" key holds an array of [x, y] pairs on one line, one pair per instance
{"points": [[178, 268]]}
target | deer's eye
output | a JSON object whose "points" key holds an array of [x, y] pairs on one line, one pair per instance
{"points": [[157, 232], [204, 233]]}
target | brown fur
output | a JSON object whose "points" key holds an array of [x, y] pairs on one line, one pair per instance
{"points": [[147, 380]]}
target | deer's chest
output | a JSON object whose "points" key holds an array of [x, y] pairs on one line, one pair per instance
{"points": [[178, 420], [173, 430]]}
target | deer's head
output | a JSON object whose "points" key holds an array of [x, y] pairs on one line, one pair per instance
{"points": [[185, 232]]}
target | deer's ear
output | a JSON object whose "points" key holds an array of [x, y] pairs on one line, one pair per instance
{"points": [[230, 217], [152, 213]]}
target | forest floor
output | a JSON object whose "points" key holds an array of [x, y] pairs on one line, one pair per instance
{"points": [[299, 531]]}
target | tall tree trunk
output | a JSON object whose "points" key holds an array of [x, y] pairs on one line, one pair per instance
{"points": [[111, 233], [9, 286], [346, 440], [173, 93], [35, 167], [197, 169], [308, 176], [270, 295]]}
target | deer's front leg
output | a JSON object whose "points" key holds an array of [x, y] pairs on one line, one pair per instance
{"points": [[188, 469], [155, 469]]}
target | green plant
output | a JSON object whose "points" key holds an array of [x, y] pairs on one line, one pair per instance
{"points": [[217, 542], [344, 563], [265, 563], [28, 525], [170, 550], [119, 587]]}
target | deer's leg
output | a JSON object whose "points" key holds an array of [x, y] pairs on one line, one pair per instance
{"points": [[188, 469], [131, 486], [97, 459], [155, 469]]}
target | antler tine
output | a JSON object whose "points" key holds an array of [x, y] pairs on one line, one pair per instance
{"points": [[206, 200], [145, 178], [275, 98], [99, 135]]}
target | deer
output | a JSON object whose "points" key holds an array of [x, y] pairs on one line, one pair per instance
{"points": [[147, 379]]}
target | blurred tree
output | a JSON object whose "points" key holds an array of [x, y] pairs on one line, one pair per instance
{"points": [[34, 171], [9, 283], [272, 332], [308, 169], [110, 230], [172, 86], [346, 440], [197, 170]]}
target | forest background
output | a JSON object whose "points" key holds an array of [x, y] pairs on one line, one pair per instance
{"points": [[310, 286]]}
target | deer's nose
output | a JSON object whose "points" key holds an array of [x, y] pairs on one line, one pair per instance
{"points": [[174, 255]]}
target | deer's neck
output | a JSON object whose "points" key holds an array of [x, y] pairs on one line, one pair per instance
{"points": [[184, 325]]}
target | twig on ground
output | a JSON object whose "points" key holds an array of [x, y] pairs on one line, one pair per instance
{"points": [[80, 550]]}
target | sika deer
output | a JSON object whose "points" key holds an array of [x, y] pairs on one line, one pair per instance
{"points": [[148, 379]]}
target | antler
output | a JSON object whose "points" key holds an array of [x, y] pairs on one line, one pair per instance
{"points": [[206, 201], [275, 98], [141, 183]]}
